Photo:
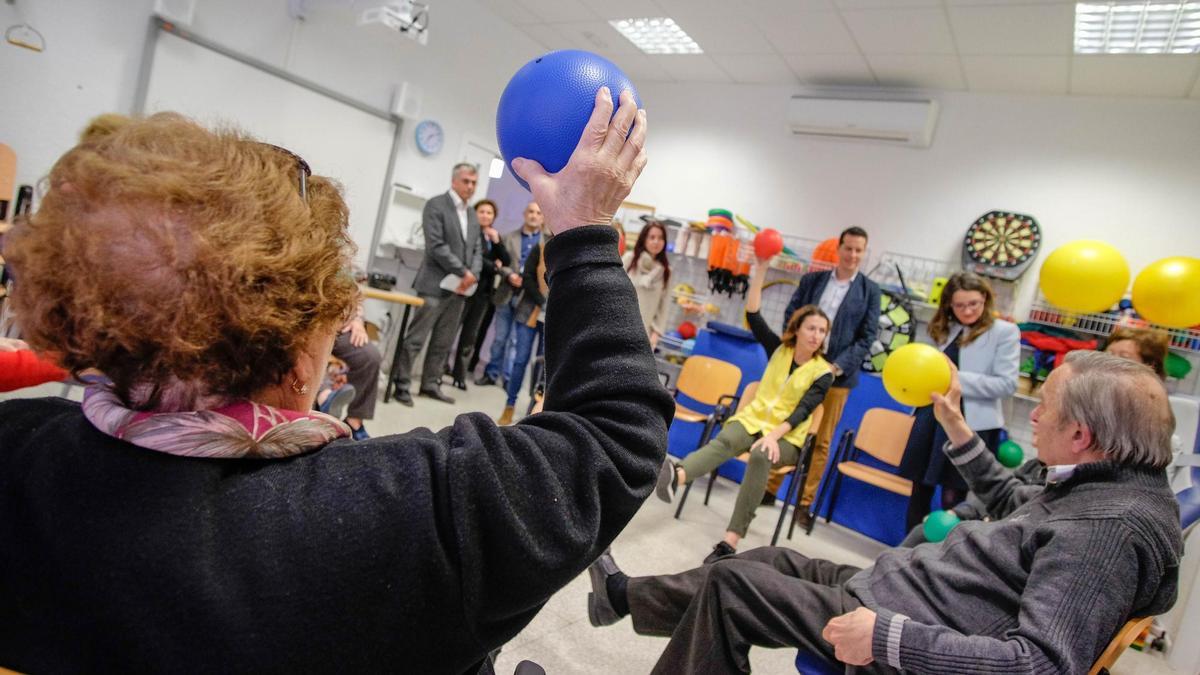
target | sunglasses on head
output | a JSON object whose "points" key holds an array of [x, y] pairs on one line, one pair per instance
{"points": [[302, 167]]}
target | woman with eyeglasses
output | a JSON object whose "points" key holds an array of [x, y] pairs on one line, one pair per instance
{"points": [[987, 352], [195, 513]]}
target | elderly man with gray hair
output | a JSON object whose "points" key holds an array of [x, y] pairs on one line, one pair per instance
{"points": [[452, 249], [1041, 589]]}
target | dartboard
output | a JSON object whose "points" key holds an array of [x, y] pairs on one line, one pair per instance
{"points": [[896, 326], [1001, 244]]}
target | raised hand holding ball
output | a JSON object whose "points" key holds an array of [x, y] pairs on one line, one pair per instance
{"points": [[768, 243]]}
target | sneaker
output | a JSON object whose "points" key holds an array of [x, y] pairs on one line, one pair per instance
{"points": [[721, 550], [485, 380], [600, 607], [668, 481], [359, 434]]}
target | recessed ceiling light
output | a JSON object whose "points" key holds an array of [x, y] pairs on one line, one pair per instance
{"points": [[657, 35], [1121, 27]]}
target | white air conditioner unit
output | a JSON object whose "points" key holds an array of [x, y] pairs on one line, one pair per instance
{"points": [[901, 122]]}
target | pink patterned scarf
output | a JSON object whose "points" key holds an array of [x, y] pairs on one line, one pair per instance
{"points": [[240, 429]]}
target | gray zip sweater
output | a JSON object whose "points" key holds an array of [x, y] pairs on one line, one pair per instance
{"points": [[1042, 590]]}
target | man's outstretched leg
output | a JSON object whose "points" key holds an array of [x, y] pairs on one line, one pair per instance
{"points": [[771, 597]]}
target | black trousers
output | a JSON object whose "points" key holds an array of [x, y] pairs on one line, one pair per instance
{"points": [[477, 314], [766, 597]]}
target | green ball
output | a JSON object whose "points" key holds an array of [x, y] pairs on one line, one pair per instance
{"points": [[1010, 454], [939, 524]]}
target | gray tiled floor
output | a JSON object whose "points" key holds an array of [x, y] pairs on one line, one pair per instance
{"points": [[560, 638]]}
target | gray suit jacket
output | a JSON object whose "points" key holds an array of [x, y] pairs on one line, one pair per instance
{"points": [[445, 250]]}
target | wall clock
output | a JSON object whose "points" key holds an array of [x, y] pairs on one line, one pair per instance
{"points": [[430, 137]]}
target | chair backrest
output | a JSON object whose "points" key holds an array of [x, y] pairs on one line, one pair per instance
{"points": [[883, 433], [706, 379], [747, 395], [1120, 643]]}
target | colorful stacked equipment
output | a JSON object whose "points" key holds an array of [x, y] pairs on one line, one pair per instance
{"points": [[727, 272]]}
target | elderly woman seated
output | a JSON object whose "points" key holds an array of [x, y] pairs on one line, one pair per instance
{"points": [[195, 512]]}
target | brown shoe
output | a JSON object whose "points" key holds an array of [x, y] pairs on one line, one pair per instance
{"points": [[804, 520], [506, 417]]}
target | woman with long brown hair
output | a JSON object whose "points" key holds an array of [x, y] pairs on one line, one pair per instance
{"points": [[987, 352], [650, 272], [772, 428]]}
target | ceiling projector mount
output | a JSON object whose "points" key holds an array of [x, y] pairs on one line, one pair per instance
{"points": [[407, 17]]}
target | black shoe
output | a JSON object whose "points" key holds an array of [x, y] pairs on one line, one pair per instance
{"points": [[485, 380], [435, 394], [804, 519], [460, 383], [668, 481], [404, 397], [600, 608], [721, 550], [768, 499]]}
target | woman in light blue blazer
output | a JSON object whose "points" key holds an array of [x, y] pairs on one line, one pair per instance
{"points": [[987, 352]]}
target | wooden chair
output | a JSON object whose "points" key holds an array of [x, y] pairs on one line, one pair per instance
{"points": [[882, 434], [710, 382], [1125, 637]]}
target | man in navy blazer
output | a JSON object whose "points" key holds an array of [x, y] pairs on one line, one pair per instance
{"points": [[452, 246], [852, 302]]}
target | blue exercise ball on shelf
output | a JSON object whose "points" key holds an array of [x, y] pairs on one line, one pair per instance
{"points": [[548, 102]]}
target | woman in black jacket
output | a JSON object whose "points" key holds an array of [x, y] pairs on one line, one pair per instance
{"points": [[195, 515], [479, 310]]}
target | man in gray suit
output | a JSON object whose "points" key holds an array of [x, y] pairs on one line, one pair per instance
{"points": [[451, 247]]}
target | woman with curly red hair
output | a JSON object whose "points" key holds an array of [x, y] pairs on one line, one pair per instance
{"points": [[195, 510]]}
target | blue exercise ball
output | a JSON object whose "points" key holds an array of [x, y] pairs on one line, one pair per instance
{"points": [[546, 105]]}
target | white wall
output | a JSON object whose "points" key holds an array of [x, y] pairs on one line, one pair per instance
{"points": [[1121, 170], [95, 48]]}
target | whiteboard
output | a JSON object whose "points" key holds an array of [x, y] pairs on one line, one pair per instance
{"points": [[336, 139]]}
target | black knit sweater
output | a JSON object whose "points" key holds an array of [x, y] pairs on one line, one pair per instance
{"points": [[413, 553]]}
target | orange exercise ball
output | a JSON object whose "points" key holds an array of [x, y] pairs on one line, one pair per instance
{"points": [[914, 371], [1084, 276], [1168, 292], [826, 251]]}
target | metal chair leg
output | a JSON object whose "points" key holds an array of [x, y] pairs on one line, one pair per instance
{"points": [[823, 486], [799, 478], [683, 498], [712, 478]]}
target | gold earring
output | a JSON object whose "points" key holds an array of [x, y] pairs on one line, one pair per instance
{"points": [[302, 389]]}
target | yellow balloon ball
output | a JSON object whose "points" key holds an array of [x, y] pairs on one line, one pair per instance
{"points": [[1168, 292], [1084, 276], [913, 372]]}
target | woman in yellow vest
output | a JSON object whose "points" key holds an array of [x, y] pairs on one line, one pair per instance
{"points": [[774, 425]]}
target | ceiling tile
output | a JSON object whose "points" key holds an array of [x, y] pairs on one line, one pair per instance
{"points": [[624, 9], [553, 11], [830, 70], [916, 30], [880, 4], [1026, 29], [724, 34], [691, 68], [755, 68], [917, 71], [549, 37], [639, 67], [767, 8], [511, 11], [595, 36], [1023, 74], [679, 7], [804, 32], [1134, 75]]}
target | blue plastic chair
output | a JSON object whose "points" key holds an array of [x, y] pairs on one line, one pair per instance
{"points": [[1189, 501]]}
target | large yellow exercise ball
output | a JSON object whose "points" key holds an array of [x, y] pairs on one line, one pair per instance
{"points": [[1084, 276], [913, 372], [1168, 292]]}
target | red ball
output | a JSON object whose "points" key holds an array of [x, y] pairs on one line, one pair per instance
{"points": [[768, 243], [687, 330]]}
